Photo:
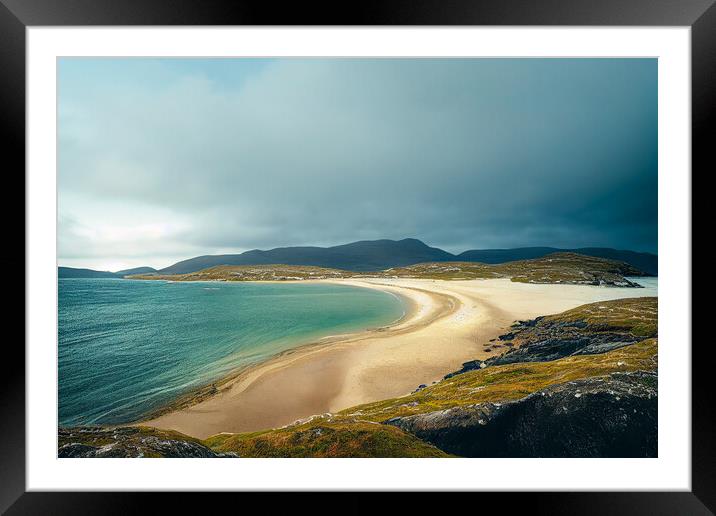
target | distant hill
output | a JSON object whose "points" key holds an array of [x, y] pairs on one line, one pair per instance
{"points": [[71, 272], [366, 255], [645, 262]]}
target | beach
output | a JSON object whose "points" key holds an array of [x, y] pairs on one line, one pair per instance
{"points": [[446, 323]]}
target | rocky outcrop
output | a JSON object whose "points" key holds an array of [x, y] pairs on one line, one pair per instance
{"points": [[552, 340], [130, 442], [548, 338], [557, 341], [610, 416]]}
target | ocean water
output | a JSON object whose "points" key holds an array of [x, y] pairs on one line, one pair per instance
{"points": [[650, 283], [127, 347]]}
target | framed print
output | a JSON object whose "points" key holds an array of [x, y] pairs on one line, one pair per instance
{"points": [[419, 248]]}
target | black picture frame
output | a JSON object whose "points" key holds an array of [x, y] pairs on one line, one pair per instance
{"points": [[16, 15]]}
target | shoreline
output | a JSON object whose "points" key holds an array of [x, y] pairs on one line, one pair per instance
{"points": [[422, 308], [203, 392], [449, 322]]}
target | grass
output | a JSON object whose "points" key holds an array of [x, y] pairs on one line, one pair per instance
{"points": [[636, 315], [568, 268], [326, 439], [317, 438]]}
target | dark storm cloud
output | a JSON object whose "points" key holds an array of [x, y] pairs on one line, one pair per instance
{"points": [[468, 153]]}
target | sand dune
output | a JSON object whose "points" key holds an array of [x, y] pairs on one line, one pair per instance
{"points": [[448, 323]]}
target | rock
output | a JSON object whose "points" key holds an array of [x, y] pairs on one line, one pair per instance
{"points": [[129, 442], [600, 347], [562, 345], [73, 450], [611, 416], [466, 366]]}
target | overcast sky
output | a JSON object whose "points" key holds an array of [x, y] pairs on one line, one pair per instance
{"points": [[165, 159]]}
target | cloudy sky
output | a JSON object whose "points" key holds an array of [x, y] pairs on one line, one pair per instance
{"points": [[165, 159]]}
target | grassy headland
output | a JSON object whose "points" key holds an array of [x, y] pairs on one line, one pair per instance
{"points": [[564, 268]]}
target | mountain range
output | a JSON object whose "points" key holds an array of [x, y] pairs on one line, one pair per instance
{"points": [[370, 255]]}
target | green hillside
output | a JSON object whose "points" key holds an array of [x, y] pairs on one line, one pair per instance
{"points": [[565, 268]]}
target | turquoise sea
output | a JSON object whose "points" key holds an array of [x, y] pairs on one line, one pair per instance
{"points": [[651, 283], [127, 347]]}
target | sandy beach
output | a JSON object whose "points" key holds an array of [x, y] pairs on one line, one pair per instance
{"points": [[447, 323]]}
